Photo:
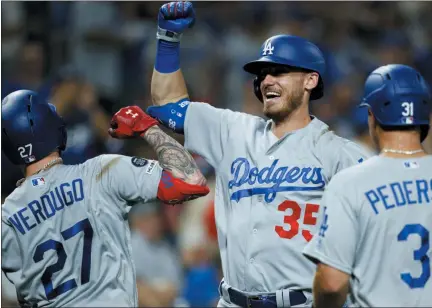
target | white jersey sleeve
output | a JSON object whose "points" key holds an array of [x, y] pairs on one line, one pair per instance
{"points": [[207, 130], [334, 243], [131, 179]]}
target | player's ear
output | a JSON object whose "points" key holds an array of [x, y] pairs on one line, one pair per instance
{"points": [[311, 81]]}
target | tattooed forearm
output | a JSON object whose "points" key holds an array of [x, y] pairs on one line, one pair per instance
{"points": [[173, 157]]}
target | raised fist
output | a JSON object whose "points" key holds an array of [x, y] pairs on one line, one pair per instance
{"points": [[174, 17], [130, 122]]}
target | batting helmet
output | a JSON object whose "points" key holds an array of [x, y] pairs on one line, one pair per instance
{"points": [[288, 51], [31, 128], [398, 96]]}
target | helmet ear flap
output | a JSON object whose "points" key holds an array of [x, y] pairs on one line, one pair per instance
{"points": [[424, 131], [63, 137], [257, 90], [9, 148]]}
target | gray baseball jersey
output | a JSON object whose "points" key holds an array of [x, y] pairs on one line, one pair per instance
{"points": [[65, 234], [268, 192], [375, 226]]}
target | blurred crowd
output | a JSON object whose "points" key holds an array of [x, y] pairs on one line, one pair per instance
{"points": [[92, 58]]}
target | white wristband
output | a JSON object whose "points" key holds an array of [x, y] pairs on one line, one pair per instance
{"points": [[167, 35]]}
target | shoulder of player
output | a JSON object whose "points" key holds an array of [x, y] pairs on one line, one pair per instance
{"points": [[102, 160], [96, 166], [354, 175], [331, 143], [329, 140], [101, 164], [232, 117], [245, 122]]}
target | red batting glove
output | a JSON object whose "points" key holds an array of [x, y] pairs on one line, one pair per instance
{"points": [[130, 122]]}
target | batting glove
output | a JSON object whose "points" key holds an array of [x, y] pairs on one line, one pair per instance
{"points": [[173, 18], [130, 122]]}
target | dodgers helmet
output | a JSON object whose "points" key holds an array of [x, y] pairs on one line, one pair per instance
{"points": [[31, 128], [398, 96], [288, 51]]}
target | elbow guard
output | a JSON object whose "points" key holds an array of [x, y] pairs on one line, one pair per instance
{"points": [[172, 190], [171, 115]]}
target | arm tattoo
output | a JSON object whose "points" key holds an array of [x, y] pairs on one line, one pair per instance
{"points": [[173, 157]]}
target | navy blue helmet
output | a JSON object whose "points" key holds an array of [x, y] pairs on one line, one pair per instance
{"points": [[398, 96], [31, 128], [289, 51]]}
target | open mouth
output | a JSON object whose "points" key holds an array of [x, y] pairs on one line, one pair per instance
{"points": [[271, 95]]}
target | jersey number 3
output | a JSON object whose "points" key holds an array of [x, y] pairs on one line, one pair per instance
{"points": [[293, 219], [81, 226], [420, 254]]}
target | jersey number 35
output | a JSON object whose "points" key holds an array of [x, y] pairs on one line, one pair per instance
{"points": [[294, 217]]}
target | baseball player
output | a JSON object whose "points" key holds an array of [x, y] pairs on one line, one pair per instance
{"points": [[377, 216], [65, 236], [270, 174]]}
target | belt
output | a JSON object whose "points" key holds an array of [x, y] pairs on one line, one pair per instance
{"points": [[264, 300], [28, 305]]}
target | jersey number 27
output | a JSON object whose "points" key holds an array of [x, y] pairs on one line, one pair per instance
{"points": [[81, 226], [294, 217]]}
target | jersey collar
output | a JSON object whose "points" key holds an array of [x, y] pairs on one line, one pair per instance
{"points": [[314, 129]]}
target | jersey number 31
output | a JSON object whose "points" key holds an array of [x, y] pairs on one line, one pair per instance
{"points": [[81, 226], [420, 254], [293, 219]]}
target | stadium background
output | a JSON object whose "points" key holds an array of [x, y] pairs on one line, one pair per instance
{"points": [[91, 58]]}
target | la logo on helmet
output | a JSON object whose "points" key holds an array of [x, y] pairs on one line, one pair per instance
{"points": [[268, 48]]}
